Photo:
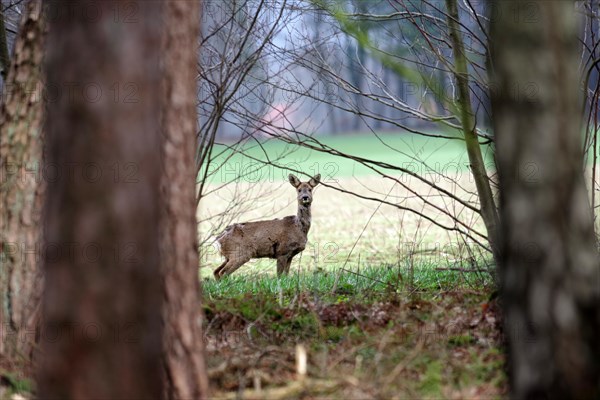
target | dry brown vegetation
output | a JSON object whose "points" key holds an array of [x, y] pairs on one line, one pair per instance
{"points": [[347, 230], [406, 347]]}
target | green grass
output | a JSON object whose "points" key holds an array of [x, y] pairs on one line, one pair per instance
{"points": [[398, 149], [338, 285], [15, 384]]}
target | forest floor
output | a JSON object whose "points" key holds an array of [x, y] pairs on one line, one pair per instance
{"points": [[365, 334], [399, 332]]}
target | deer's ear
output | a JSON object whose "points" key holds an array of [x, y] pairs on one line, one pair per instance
{"points": [[294, 180], [315, 180]]}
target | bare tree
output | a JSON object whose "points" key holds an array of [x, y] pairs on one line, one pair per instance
{"points": [[101, 333], [310, 64], [183, 351], [550, 266], [11, 13], [4, 57], [440, 45], [590, 63], [21, 188], [236, 46], [425, 73], [469, 125]]}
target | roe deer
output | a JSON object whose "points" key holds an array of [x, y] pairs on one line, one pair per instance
{"points": [[280, 239]]}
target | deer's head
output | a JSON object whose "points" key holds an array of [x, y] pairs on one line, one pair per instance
{"points": [[304, 189]]}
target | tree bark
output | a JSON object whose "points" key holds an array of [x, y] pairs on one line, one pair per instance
{"points": [[21, 188], [183, 349], [101, 335], [550, 267], [467, 119]]}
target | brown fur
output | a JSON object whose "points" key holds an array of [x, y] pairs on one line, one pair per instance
{"points": [[280, 239]]}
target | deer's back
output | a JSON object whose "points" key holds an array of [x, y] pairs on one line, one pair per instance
{"points": [[259, 239]]}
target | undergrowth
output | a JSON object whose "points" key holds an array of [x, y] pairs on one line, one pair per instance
{"points": [[377, 332]]}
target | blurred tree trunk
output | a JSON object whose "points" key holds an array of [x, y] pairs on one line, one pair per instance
{"points": [[101, 335], [467, 120], [21, 189], [550, 266], [184, 362]]}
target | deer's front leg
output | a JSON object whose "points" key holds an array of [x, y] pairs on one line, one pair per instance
{"points": [[281, 263], [217, 272], [288, 263]]}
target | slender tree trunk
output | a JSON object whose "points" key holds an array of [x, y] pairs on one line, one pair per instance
{"points": [[467, 118], [358, 62], [21, 188], [101, 336], [550, 267], [184, 362]]}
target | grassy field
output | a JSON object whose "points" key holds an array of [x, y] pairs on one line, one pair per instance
{"points": [[400, 149], [348, 231], [383, 303]]}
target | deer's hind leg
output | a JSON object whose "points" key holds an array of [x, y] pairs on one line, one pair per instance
{"points": [[217, 272], [231, 266]]}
